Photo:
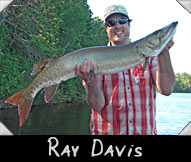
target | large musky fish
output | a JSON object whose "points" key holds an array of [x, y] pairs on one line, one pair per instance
{"points": [[109, 60]]}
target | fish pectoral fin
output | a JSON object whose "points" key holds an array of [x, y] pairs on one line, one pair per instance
{"points": [[145, 65], [40, 66], [49, 92], [90, 75]]}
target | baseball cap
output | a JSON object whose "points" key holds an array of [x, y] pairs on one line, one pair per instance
{"points": [[114, 9]]}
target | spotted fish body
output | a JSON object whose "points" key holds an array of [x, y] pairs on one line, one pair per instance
{"points": [[109, 60]]}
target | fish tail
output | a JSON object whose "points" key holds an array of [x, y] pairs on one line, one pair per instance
{"points": [[24, 104]]}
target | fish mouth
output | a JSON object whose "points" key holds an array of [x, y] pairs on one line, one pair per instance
{"points": [[168, 31], [166, 34], [156, 41], [173, 27], [175, 23]]}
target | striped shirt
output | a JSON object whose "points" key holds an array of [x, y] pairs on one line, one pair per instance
{"points": [[130, 103]]}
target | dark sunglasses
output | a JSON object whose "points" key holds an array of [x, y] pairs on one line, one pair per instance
{"points": [[121, 21]]}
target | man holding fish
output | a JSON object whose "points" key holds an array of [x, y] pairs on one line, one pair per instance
{"points": [[120, 88], [125, 102]]}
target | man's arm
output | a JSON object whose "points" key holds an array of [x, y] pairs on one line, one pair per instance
{"points": [[95, 91], [163, 75]]}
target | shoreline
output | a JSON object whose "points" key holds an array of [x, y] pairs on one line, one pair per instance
{"points": [[8, 106]]}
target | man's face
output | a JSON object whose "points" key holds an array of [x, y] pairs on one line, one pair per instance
{"points": [[119, 33]]}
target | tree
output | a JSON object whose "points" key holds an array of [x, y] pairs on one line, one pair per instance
{"points": [[183, 83], [36, 30]]}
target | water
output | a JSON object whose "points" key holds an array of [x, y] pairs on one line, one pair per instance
{"points": [[48, 119], [173, 113]]}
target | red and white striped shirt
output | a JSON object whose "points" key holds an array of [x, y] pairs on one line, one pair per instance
{"points": [[130, 104]]}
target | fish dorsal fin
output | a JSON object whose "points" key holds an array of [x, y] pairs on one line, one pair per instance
{"points": [[40, 66], [49, 92]]}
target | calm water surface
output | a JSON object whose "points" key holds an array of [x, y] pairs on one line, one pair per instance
{"points": [[173, 113], [63, 118]]}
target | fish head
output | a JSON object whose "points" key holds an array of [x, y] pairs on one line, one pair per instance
{"points": [[165, 34], [154, 43]]}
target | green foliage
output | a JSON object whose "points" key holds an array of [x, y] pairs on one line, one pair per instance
{"points": [[183, 83], [32, 31]]}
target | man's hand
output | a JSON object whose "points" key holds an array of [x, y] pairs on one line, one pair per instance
{"points": [[168, 46], [95, 93], [84, 72]]}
